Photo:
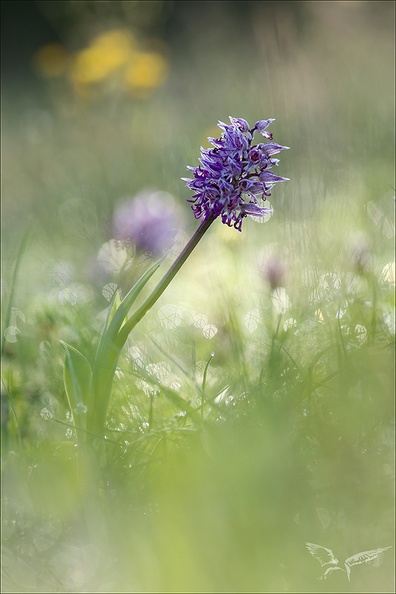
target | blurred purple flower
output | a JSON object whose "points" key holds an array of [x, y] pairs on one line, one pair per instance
{"points": [[273, 270], [149, 220], [233, 177]]}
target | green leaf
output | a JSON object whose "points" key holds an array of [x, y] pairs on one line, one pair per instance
{"points": [[129, 300], [108, 352], [106, 346], [114, 305], [7, 313], [77, 379]]}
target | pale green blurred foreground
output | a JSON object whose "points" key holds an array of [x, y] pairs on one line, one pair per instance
{"points": [[245, 420]]}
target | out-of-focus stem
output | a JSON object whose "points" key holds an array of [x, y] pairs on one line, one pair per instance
{"points": [[164, 282]]}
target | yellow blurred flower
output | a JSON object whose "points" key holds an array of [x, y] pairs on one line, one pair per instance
{"points": [[111, 61], [145, 72], [50, 60], [106, 54]]}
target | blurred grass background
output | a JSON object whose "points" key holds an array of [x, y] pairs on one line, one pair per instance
{"points": [[294, 441]]}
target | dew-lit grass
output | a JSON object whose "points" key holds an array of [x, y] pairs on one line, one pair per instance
{"points": [[253, 406]]}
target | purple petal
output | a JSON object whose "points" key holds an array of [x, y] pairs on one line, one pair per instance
{"points": [[252, 210], [261, 125], [271, 178], [271, 148]]}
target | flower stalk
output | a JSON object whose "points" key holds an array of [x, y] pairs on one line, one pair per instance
{"points": [[232, 182], [107, 356], [164, 282]]}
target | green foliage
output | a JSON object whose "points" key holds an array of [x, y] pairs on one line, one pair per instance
{"points": [[77, 379], [244, 420], [108, 351]]}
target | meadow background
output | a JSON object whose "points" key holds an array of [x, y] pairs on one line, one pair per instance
{"points": [[250, 413]]}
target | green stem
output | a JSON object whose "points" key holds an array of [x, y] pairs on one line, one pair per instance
{"points": [[102, 380], [203, 398], [10, 303], [163, 283]]}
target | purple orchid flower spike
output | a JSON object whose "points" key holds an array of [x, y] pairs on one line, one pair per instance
{"points": [[232, 181], [233, 177]]}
